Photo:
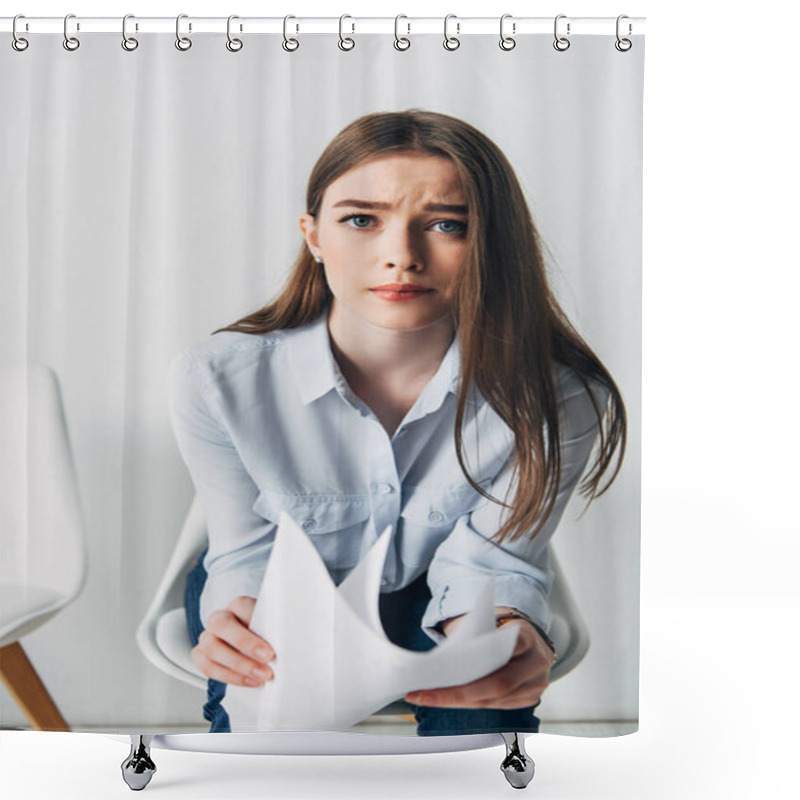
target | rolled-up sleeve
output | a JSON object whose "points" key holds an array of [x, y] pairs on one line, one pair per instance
{"points": [[239, 538], [466, 559]]}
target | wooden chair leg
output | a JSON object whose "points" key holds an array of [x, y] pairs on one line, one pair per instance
{"points": [[27, 689]]}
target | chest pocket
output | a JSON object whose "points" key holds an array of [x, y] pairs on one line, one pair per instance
{"points": [[429, 515], [334, 523], [437, 508]]}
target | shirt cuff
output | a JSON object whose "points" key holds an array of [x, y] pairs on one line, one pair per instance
{"points": [[514, 591], [222, 588]]}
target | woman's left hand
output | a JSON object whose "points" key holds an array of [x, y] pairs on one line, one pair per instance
{"points": [[519, 683]]}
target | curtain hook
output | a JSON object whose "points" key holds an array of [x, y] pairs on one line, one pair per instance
{"points": [[346, 43], [561, 43], [234, 45], [290, 45], [182, 42], [507, 42], [400, 42], [128, 42], [18, 43], [70, 42], [623, 45], [451, 42]]}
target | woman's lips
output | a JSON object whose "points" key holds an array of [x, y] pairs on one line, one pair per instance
{"points": [[397, 292]]}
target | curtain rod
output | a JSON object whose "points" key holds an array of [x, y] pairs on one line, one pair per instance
{"points": [[460, 26]]}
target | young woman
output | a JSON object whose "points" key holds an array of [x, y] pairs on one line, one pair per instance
{"points": [[416, 371]]}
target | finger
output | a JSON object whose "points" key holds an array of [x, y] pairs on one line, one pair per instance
{"points": [[523, 696], [220, 672], [220, 652], [525, 639], [243, 607], [518, 676], [226, 625]]}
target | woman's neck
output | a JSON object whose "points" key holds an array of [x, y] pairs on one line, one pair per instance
{"points": [[385, 361]]}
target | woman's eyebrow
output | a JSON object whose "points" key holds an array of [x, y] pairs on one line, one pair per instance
{"points": [[452, 209]]}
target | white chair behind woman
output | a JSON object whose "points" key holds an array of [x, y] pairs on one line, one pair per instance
{"points": [[43, 565]]}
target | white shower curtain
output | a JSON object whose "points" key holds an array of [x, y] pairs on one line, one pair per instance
{"points": [[151, 197]]}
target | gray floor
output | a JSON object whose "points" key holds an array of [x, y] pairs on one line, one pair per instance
{"points": [[395, 726]]}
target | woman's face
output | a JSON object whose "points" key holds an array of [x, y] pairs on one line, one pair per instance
{"points": [[392, 236]]}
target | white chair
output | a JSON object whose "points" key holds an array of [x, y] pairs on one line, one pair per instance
{"points": [[163, 635], [41, 529], [164, 639]]}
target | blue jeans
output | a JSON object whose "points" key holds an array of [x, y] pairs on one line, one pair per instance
{"points": [[401, 613]]}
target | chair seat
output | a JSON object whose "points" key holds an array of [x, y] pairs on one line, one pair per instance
{"points": [[23, 608], [172, 636]]}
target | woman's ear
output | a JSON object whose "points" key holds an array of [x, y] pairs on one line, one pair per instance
{"points": [[308, 226]]}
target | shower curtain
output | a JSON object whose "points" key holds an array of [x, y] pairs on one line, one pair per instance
{"points": [[151, 196]]}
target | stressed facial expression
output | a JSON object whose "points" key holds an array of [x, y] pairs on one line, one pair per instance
{"points": [[392, 236]]}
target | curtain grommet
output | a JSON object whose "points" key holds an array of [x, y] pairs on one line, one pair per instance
{"points": [[451, 42], [183, 43], [507, 42], [70, 42], [19, 43], [401, 43]]}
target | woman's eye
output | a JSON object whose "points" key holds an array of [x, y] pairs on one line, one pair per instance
{"points": [[452, 226], [358, 220]]}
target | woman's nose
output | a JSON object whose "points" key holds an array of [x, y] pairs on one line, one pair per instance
{"points": [[401, 248]]}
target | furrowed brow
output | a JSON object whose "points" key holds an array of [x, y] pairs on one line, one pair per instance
{"points": [[370, 204]]}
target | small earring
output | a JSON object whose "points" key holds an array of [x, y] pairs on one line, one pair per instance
{"points": [[318, 259]]}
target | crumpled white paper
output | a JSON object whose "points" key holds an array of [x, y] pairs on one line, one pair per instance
{"points": [[334, 665]]}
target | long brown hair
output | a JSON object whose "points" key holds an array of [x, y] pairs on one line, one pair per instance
{"points": [[512, 331]]}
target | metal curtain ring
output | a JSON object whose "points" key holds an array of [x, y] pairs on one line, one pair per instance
{"points": [[400, 42], [182, 42], [451, 42], [290, 45], [18, 43], [623, 45], [346, 43], [561, 43], [234, 45], [70, 42], [507, 42], [128, 42]]}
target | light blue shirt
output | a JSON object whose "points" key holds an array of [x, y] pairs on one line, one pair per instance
{"points": [[267, 423]]}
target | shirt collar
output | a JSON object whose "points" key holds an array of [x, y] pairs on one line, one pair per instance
{"points": [[311, 359], [316, 372]]}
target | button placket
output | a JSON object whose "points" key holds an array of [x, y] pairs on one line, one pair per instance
{"points": [[384, 488]]}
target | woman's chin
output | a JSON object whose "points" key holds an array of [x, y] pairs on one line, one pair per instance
{"points": [[407, 320]]}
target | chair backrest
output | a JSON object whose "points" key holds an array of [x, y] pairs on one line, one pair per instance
{"points": [[191, 542], [42, 534], [568, 631]]}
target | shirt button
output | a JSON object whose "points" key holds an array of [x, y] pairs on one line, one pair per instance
{"points": [[309, 525], [435, 516], [385, 488]]}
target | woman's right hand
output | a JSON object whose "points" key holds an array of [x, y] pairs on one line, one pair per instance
{"points": [[228, 651]]}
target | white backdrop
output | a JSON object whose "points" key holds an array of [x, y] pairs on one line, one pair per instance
{"points": [[720, 536], [158, 200]]}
